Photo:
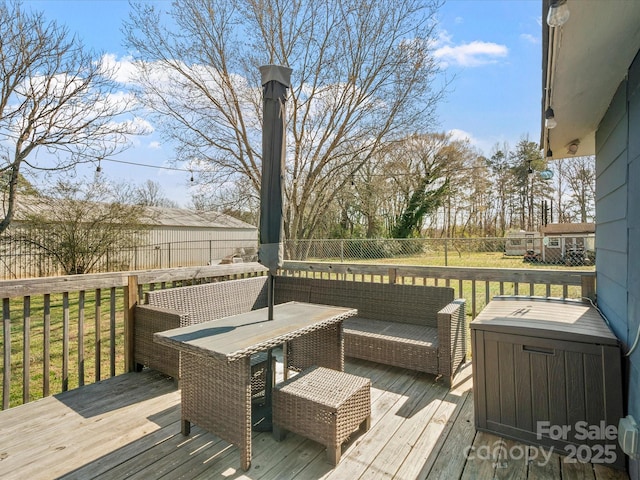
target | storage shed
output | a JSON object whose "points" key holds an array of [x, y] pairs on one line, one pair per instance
{"points": [[180, 237], [518, 243], [173, 237]]}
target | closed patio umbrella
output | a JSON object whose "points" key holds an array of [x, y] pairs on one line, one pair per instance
{"points": [[275, 81]]}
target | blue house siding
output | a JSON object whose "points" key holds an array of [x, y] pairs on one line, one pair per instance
{"points": [[611, 213], [618, 226], [634, 233], [633, 207]]}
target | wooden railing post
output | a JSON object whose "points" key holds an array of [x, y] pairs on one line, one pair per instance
{"points": [[6, 345], [393, 275], [589, 287], [131, 300]]}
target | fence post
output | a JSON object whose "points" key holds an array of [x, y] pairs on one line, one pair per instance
{"points": [[589, 286], [131, 300], [446, 253]]}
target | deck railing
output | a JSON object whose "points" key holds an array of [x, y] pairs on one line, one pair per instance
{"points": [[62, 332], [476, 284]]}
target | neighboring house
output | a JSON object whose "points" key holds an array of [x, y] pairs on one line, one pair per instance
{"points": [[591, 80], [570, 243]]}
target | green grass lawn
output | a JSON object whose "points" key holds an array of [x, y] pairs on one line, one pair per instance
{"points": [[37, 336], [462, 259]]}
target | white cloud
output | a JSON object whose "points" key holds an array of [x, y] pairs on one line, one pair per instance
{"points": [[461, 135], [458, 20], [121, 70], [530, 38], [471, 54], [154, 145], [443, 38], [141, 126], [483, 145]]}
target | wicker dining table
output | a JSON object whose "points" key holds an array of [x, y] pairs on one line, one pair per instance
{"points": [[215, 362]]}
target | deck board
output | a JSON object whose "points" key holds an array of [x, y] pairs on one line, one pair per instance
{"points": [[451, 430], [129, 427]]}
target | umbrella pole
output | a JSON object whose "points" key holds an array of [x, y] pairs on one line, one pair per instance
{"points": [[270, 374], [270, 293], [262, 415], [275, 81]]}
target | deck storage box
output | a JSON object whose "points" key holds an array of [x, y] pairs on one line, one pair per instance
{"points": [[547, 372]]}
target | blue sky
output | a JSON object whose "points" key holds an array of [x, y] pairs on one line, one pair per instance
{"points": [[493, 48]]}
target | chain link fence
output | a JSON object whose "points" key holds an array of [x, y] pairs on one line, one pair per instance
{"points": [[489, 251], [26, 261]]}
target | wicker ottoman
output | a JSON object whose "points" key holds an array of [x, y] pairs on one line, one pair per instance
{"points": [[324, 405]]}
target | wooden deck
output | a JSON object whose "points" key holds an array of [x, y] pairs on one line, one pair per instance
{"points": [[129, 427]]}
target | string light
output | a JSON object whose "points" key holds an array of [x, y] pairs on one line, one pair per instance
{"points": [[125, 162], [161, 167]]}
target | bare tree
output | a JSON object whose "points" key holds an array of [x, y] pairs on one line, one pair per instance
{"points": [[149, 194], [418, 180], [363, 76], [501, 175], [580, 175], [55, 97], [238, 199], [478, 196]]}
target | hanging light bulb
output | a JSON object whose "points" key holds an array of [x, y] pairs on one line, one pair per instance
{"points": [[550, 118], [191, 175], [558, 13], [530, 171], [98, 168]]}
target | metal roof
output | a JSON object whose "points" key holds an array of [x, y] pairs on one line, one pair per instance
{"points": [[561, 228], [158, 216], [180, 217]]}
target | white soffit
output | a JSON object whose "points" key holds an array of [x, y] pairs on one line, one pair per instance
{"points": [[591, 55]]}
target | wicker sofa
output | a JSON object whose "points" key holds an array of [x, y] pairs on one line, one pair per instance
{"points": [[416, 327]]}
